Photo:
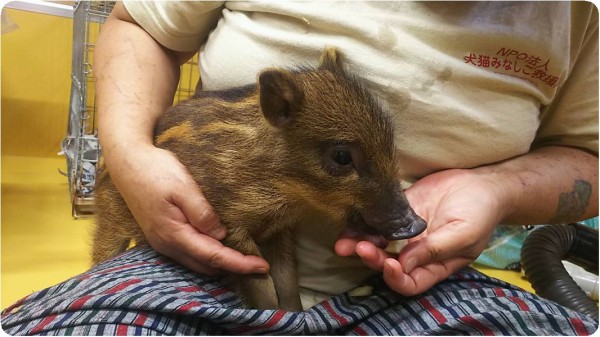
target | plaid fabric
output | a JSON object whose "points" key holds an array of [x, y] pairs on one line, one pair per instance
{"points": [[143, 293]]}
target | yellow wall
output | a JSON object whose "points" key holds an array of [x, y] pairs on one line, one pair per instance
{"points": [[36, 67], [41, 243]]}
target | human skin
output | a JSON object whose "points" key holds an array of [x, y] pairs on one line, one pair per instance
{"points": [[135, 81], [551, 184]]}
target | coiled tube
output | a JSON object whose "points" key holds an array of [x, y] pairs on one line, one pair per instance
{"points": [[541, 258]]}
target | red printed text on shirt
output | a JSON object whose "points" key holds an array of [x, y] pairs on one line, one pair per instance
{"points": [[515, 63]]}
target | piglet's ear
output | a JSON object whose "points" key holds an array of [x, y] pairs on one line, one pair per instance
{"points": [[331, 59], [280, 97]]}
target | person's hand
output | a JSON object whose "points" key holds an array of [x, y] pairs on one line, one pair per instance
{"points": [[135, 79], [176, 218], [461, 210]]}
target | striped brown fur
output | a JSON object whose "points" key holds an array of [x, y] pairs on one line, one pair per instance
{"points": [[270, 156]]}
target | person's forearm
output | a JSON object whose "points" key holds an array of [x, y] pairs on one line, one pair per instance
{"points": [[135, 80], [548, 185]]}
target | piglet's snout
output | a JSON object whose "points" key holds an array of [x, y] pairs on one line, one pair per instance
{"points": [[394, 219]]}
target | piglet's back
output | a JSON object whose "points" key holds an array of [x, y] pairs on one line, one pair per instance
{"points": [[231, 150]]}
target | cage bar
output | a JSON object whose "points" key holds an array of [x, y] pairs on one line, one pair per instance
{"points": [[80, 145]]}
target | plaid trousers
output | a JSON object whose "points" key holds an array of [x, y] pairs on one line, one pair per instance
{"points": [[143, 293]]}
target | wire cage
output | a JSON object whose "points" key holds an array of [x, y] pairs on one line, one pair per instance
{"points": [[81, 146]]}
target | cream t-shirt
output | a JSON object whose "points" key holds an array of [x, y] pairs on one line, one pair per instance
{"points": [[467, 83]]}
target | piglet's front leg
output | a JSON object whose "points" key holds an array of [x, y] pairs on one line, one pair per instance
{"points": [[257, 290], [280, 252]]}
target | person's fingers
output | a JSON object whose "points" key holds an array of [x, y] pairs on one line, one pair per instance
{"points": [[424, 262], [421, 278], [445, 243], [372, 256], [345, 246], [204, 254], [198, 211], [348, 239], [394, 277]]}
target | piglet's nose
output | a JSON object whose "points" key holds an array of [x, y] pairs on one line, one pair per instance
{"points": [[393, 218]]}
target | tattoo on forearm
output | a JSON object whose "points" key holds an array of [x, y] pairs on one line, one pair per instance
{"points": [[571, 205]]}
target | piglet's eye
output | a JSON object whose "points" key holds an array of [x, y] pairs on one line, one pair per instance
{"points": [[342, 157], [338, 158]]}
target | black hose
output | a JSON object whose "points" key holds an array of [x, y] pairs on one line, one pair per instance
{"points": [[541, 258]]}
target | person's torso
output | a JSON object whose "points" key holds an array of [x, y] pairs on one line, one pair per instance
{"points": [[463, 81]]}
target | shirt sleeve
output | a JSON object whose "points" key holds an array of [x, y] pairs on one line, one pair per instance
{"points": [[572, 118], [177, 25]]}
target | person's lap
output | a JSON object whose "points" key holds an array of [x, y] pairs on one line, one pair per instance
{"points": [[141, 292]]}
